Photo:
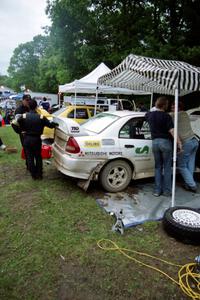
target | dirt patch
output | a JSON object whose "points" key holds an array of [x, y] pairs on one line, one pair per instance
{"points": [[9, 175]]}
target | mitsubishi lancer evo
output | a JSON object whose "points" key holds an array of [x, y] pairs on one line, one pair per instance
{"points": [[112, 147]]}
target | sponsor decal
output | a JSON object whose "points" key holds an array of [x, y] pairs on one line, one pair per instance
{"points": [[142, 150], [81, 154], [92, 144], [91, 153], [108, 142], [115, 153], [75, 129]]}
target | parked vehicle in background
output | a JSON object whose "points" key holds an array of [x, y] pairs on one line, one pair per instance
{"points": [[51, 98], [16, 96], [4, 94], [103, 103], [8, 104], [78, 113], [116, 104]]}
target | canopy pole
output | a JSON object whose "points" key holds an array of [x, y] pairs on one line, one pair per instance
{"points": [[96, 98], [175, 147], [59, 99], [151, 101], [75, 105]]}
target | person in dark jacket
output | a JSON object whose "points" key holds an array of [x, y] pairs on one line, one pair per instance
{"points": [[32, 125], [22, 109]]}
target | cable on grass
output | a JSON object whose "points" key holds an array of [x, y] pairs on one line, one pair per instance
{"points": [[188, 278]]}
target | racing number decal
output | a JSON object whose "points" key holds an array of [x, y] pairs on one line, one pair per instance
{"points": [[142, 150]]}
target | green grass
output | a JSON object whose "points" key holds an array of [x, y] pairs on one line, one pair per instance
{"points": [[48, 241]]}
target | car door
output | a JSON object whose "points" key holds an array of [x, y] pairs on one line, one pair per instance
{"points": [[136, 145]]}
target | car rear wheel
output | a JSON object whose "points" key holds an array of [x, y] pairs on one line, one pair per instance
{"points": [[116, 176], [183, 223]]}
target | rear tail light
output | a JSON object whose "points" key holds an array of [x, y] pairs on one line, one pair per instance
{"points": [[72, 146]]}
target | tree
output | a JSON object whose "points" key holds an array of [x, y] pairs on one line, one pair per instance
{"points": [[86, 32], [23, 68]]}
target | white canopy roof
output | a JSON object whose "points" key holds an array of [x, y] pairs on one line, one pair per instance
{"points": [[88, 84]]}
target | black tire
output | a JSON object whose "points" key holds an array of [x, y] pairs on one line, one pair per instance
{"points": [[183, 223], [116, 176]]}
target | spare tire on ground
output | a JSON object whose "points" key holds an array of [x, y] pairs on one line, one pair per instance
{"points": [[183, 223]]}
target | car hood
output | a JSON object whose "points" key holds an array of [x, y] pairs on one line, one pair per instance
{"points": [[70, 126]]}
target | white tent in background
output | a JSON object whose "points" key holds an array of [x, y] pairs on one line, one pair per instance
{"points": [[156, 76], [88, 84]]}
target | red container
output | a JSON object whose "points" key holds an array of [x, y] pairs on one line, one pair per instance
{"points": [[46, 152]]}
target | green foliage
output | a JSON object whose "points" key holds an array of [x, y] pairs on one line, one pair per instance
{"points": [[23, 68], [3, 80], [86, 32]]}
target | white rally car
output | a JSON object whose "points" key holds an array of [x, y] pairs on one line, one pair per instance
{"points": [[112, 147], [115, 147]]}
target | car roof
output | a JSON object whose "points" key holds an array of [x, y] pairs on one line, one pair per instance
{"points": [[125, 113], [78, 106]]}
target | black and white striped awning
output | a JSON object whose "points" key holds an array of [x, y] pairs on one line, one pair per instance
{"points": [[154, 75]]}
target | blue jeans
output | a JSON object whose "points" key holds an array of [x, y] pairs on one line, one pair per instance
{"points": [[162, 150], [186, 161]]}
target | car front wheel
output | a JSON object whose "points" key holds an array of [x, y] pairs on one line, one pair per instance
{"points": [[116, 176]]}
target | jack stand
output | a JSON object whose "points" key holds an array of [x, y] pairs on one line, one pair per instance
{"points": [[118, 226]]}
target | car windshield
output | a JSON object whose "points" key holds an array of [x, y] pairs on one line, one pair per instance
{"points": [[99, 122]]}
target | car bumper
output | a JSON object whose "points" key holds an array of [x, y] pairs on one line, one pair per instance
{"points": [[74, 167]]}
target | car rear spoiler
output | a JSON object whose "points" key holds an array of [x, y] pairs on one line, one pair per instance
{"points": [[70, 126]]}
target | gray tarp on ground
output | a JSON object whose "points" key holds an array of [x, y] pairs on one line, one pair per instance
{"points": [[142, 206]]}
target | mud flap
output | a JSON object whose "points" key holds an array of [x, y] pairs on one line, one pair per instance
{"points": [[84, 184]]}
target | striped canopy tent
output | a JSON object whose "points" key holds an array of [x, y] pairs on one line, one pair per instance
{"points": [[156, 76]]}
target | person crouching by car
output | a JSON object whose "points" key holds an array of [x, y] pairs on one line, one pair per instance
{"points": [[32, 125]]}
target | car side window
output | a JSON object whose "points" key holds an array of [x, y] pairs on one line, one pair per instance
{"points": [[145, 130], [197, 112], [136, 128]]}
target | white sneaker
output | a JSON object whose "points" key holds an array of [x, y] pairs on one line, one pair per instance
{"points": [[3, 147]]}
